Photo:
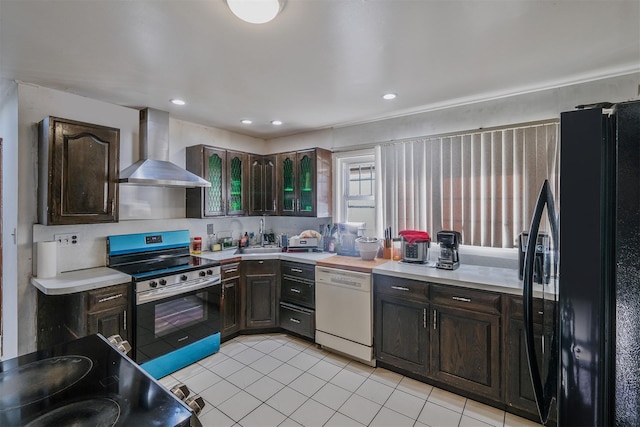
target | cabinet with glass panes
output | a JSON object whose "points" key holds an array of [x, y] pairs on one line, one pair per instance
{"points": [[227, 172], [304, 183]]}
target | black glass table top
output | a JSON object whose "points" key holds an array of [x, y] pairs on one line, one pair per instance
{"points": [[84, 382]]}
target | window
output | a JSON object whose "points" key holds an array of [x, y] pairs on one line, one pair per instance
{"points": [[483, 184], [357, 188]]}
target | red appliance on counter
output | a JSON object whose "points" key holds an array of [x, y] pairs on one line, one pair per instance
{"points": [[85, 382], [415, 246]]}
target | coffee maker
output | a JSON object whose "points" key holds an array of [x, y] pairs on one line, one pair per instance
{"points": [[449, 241]]}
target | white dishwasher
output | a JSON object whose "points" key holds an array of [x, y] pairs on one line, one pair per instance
{"points": [[344, 312]]}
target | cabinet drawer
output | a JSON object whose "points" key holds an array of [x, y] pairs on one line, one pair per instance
{"points": [[465, 298], [229, 271], [540, 309], [112, 296], [298, 270], [269, 266], [297, 319], [298, 291], [401, 288]]}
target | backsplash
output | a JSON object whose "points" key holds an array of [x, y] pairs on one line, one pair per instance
{"points": [[91, 248]]}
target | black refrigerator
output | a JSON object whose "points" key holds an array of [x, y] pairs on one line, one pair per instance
{"points": [[591, 374]]}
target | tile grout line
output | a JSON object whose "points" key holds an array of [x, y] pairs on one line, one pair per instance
{"points": [[365, 371]]}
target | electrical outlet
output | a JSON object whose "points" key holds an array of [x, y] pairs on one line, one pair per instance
{"points": [[209, 229], [67, 239]]}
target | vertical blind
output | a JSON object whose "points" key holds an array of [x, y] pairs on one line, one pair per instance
{"points": [[483, 184]]}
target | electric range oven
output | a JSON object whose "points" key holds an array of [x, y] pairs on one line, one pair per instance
{"points": [[176, 306], [85, 382]]}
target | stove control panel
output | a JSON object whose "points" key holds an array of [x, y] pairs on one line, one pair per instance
{"points": [[176, 280]]}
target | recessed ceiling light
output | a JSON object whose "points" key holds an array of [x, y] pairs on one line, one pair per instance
{"points": [[177, 101], [389, 96], [276, 122], [246, 121]]}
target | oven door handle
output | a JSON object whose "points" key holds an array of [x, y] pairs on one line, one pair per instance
{"points": [[162, 293]]}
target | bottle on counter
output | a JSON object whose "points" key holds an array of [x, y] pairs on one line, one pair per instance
{"points": [[396, 249], [196, 245]]}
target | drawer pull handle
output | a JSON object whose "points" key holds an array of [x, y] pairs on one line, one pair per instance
{"points": [[112, 297], [231, 270], [296, 270], [297, 291], [260, 262], [400, 288], [294, 320], [541, 313], [461, 299], [424, 318], [435, 317]]}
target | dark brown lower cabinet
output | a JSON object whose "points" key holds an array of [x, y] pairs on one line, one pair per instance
{"points": [[230, 299], [401, 333], [447, 334], [465, 350], [519, 390], [261, 290], [104, 311], [63, 318]]}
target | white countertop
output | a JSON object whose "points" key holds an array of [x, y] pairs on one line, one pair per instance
{"points": [[101, 277], [494, 279], [303, 257], [80, 280]]}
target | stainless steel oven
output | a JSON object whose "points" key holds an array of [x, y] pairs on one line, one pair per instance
{"points": [[176, 307], [170, 317]]}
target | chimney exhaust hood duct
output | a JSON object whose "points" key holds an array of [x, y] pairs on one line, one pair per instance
{"points": [[154, 168]]}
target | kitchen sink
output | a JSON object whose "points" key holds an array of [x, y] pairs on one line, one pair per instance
{"points": [[259, 250]]}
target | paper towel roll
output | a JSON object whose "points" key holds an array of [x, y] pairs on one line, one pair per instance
{"points": [[47, 259]]}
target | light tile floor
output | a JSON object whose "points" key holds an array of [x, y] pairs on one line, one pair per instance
{"points": [[280, 380]]}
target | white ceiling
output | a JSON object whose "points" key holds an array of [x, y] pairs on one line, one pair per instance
{"points": [[320, 63]]}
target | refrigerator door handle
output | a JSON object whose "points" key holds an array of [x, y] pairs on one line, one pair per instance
{"points": [[544, 394]]}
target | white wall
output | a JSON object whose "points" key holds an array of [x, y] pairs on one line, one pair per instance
{"points": [[9, 135], [519, 108], [533, 106]]}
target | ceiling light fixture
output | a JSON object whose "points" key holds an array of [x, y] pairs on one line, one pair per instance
{"points": [[178, 101], [246, 121], [256, 11], [276, 122], [389, 96]]}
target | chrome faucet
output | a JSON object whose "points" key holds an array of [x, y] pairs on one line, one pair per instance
{"points": [[262, 232]]}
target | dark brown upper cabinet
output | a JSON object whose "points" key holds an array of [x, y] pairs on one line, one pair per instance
{"points": [[304, 183], [227, 172], [262, 185], [79, 171]]}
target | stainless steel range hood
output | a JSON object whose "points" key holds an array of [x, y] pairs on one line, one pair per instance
{"points": [[154, 168]]}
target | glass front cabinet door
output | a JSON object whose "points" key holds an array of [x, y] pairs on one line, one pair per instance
{"points": [[304, 183], [288, 195], [236, 165], [225, 171]]}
